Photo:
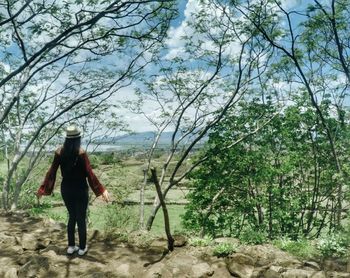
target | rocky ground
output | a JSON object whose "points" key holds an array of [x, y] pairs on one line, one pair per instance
{"points": [[31, 247]]}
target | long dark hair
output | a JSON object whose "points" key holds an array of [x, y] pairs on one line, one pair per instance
{"points": [[70, 153]]}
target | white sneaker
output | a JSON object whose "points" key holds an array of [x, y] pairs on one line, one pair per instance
{"points": [[82, 252], [72, 249]]}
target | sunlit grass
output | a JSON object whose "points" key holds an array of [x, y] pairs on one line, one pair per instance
{"points": [[98, 220], [122, 180]]}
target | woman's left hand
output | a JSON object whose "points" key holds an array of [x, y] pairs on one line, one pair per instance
{"points": [[105, 196]]}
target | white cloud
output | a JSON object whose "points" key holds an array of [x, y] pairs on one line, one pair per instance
{"points": [[299, 4], [5, 67], [175, 40], [215, 20], [288, 4], [136, 122]]}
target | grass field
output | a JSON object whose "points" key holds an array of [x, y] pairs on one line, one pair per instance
{"points": [[100, 216], [123, 180], [122, 175]]}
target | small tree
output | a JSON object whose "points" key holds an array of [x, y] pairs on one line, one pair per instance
{"points": [[279, 182], [61, 71], [191, 93], [313, 55]]}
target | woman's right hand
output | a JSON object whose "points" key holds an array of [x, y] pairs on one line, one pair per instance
{"points": [[105, 196]]}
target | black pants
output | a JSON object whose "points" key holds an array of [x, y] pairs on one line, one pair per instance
{"points": [[76, 198]]}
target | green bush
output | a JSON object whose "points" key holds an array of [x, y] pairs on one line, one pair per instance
{"points": [[253, 237], [27, 198], [37, 209], [224, 249], [109, 158], [334, 245], [119, 220], [240, 186]]}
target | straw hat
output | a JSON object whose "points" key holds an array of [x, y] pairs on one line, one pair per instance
{"points": [[72, 131]]}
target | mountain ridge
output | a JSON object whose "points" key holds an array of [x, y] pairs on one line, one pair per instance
{"points": [[141, 138]]}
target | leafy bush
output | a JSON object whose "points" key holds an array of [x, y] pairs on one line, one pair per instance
{"points": [[201, 241], [109, 158], [334, 245], [253, 237], [37, 209], [119, 220], [27, 198], [255, 185], [224, 249]]}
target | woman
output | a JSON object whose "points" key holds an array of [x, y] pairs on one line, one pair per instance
{"points": [[75, 168]]}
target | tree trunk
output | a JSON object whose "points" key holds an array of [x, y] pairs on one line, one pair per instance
{"points": [[152, 216], [165, 210], [16, 194], [209, 211], [4, 196], [142, 200], [270, 212]]}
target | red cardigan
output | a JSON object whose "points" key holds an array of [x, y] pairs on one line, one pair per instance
{"points": [[47, 186]]}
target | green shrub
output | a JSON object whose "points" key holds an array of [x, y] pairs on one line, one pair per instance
{"points": [[224, 249], [253, 237], [109, 158], [119, 220], [201, 241], [334, 245], [39, 209], [27, 198]]}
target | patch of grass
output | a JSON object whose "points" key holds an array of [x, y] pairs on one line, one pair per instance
{"points": [[224, 249], [174, 211], [302, 248], [40, 209], [58, 217], [58, 214], [120, 218], [201, 241], [141, 239], [121, 180], [253, 237], [115, 216]]}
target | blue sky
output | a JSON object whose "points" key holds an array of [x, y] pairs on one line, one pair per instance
{"points": [[174, 43]]}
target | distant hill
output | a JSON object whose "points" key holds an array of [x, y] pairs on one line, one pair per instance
{"points": [[140, 138]]}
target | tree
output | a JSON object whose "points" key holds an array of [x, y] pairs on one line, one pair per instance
{"points": [[320, 69], [42, 34], [57, 61], [191, 93], [278, 182]]}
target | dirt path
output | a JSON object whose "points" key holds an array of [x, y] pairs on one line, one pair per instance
{"points": [[31, 247]]}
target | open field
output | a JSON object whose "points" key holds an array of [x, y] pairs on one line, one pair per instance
{"points": [[99, 217], [123, 178]]}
